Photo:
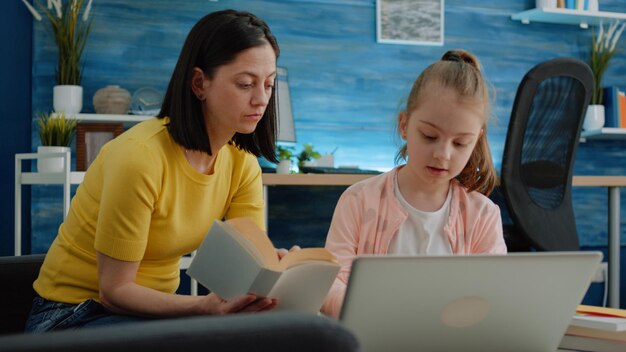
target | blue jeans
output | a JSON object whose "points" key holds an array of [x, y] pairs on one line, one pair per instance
{"points": [[50, 316]]}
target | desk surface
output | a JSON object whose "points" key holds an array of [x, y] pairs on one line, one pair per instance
{"points": [[349, 179]]}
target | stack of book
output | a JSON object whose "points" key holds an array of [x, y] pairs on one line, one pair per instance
{"points": [[596, 329], [614, 107]]}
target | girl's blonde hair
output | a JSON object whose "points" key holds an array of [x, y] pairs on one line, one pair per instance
{"points": [[461, 71]]}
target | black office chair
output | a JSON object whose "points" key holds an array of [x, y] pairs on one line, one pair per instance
{"points": [[539, 153]]}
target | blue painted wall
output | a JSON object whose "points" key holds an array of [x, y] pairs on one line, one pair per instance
{"points": [[346, 88], [15, 98]]}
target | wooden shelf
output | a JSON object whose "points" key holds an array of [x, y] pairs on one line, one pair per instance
{"points": [[567, 16], [606, 133]]}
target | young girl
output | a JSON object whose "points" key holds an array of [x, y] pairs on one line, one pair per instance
{"points": [[436, 203]]}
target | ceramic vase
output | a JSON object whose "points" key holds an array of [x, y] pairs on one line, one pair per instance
{"points": [[283, 167], [67, 99], [54, 164], [545, 4], [594, 118], [111, 100]]}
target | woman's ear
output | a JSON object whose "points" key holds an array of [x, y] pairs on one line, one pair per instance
{"points": [[403, 121], [197, 83]]}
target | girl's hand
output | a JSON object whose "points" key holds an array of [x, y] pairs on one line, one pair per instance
{"points": [[282, 251], [215, 305]]}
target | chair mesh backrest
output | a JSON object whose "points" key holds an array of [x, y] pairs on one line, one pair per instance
{"points": [[540, 150], [548, 139]]}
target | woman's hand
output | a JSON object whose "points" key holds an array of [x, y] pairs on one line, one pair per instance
{"points": [[122, 295], [282, 251], [250, 303]]}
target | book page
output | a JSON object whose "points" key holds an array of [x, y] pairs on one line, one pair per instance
{"points": [[306, 255], [304, 287], [258, 238]]}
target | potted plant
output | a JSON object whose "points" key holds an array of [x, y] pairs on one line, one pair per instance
{"points": [[56, 132], [284, 154], [71, 29], [308, 153], [603, 47]]}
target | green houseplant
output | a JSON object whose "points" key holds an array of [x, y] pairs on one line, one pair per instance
{"points": [[603, 47], [308, 153], [70, 24], [56, 132]]}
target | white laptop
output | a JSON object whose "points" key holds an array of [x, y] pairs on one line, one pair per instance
{"points": [[515, 302]]}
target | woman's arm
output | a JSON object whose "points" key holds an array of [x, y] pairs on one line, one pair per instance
{"points": [[120, 294]]}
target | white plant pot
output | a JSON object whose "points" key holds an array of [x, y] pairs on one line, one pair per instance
{"points": [[67, 99], [545, 4], [283, 167], [54, 164], [594, 118]]}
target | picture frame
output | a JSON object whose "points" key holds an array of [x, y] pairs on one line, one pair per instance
{"points": [[411, 22], [90, 137]]}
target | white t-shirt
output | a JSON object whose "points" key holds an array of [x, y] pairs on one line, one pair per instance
{"points": [[422, 231]]}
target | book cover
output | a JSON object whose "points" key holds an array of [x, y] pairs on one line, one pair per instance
{"points": [[582, 343], [619, 336], [622, 109], [236, 257], [602, 318], [611, 106], [601, 311], [599, 322]]}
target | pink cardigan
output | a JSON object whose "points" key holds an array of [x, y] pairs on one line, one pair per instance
{"points": [[368, 215]]}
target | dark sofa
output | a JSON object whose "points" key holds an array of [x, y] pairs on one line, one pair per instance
{"points": [[270, 331]]}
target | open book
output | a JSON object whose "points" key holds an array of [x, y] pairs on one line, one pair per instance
{"points": [[236, 257]]}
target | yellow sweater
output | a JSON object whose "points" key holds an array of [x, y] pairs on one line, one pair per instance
{"points": [[142, 201]]}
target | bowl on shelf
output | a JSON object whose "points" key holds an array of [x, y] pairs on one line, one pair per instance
{"points": [[111, 100], [146, 101]]}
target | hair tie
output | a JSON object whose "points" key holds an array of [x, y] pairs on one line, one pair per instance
{"points": [[453, 57]]}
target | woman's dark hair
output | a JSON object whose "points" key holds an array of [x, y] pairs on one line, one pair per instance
{"points": [[212, 42]]}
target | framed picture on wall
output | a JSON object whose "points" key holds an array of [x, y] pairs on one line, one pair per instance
{"points": [[90, 137], [414, 22]]}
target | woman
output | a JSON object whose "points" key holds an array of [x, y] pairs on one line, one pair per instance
{"points": [[153, 192]]}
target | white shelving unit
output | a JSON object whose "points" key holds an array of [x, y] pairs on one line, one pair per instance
{"points": [[606, 133], [567, 16], [65, 178], [110, 118]]}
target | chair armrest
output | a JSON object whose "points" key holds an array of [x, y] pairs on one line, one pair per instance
{"points": [[271, 331]]}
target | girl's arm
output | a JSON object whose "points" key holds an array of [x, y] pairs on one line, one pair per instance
{"points": [[342, 241], [120, 294], [489, 232]]}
